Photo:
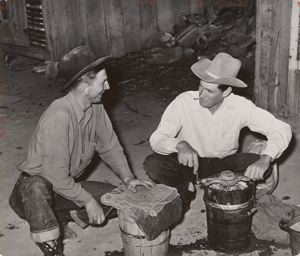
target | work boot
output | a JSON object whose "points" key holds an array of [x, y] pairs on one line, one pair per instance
{"points": [[51, 248], [68, 233]]}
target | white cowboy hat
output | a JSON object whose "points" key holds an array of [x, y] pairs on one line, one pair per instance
{"points": [[223, 69]]}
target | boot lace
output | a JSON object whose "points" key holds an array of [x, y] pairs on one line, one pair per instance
{"points": [[51, 250]]}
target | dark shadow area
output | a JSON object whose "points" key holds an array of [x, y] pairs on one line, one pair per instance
{"points": [[265, 248]]}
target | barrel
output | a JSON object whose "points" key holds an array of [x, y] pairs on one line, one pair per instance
{"points": [[292, 226], [229, 211], [135, 243], [294, 233]]}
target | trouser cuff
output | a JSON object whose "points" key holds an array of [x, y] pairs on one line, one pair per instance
{"points": [[45, 236]]}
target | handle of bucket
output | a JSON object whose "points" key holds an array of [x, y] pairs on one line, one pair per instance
{"points": [[131, 235]]}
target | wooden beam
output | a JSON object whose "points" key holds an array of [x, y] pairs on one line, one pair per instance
{"points": [[131, 25], [264, 44], [283, 54], [114, 26], [165, 16], [17, 22], [148, 16], [96, 26], [293, 93]]}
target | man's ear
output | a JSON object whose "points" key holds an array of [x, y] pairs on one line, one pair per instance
{"points": [[83, 87], [227, 92]]}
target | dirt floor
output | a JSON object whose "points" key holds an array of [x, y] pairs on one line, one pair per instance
{"points": [[137, 99]]}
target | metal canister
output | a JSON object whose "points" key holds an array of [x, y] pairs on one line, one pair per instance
{"points": [[229, 200]]}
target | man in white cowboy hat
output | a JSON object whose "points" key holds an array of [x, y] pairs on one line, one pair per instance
{"points": [[47, 194], [199, 131]]}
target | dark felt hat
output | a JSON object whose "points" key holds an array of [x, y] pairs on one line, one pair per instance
{"points": [[78, 62]]}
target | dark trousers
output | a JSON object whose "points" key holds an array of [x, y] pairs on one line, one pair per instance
{"points": [[34, 200], [165, 169]]}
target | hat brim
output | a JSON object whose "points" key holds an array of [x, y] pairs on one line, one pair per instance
{"points": [[88, 68], [200, 67]]}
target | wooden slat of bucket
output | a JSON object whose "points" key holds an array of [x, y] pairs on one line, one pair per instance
{"points": [[135, 243], [128, 225]]}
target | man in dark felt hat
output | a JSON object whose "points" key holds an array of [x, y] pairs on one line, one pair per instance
{"points": [[199, 131], [47, 194]]}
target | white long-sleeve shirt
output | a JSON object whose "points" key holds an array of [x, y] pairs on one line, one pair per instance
{"points": [[216, 135]]}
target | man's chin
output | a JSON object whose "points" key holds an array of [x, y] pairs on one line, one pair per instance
{"points": [[97, 101], [203, 104]]}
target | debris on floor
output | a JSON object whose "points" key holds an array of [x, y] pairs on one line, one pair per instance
{"points": [[265, 223]]}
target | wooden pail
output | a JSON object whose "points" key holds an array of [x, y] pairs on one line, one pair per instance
{"points": [[135, 243]]}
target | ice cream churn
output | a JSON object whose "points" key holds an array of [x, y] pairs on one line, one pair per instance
{"points": [[230, 204]]}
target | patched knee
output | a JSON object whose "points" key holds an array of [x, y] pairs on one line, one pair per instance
{"points": [[37, 184]]}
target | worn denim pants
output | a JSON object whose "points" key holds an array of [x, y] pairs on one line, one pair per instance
{"points": [[34, 200], [166, 169]]}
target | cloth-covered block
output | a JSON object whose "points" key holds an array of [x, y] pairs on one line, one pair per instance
{"points": [[153, 210]]}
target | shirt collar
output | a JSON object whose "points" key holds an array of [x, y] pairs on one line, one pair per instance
{"points": [[227, 103]]}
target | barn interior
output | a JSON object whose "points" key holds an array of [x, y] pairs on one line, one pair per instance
{"points": [[153, 44]]}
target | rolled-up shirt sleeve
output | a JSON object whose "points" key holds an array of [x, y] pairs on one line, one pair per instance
{"points": [[278, 133], [163, 140], [56, 159], [109, 147]]}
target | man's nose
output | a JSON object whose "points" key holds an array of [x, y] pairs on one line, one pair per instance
{"points": [[106, 86], [200, 91]]}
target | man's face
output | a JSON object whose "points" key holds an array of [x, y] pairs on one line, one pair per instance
{"points": [[97, 86], [210, 96]]}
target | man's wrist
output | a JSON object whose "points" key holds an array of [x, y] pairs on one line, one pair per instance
{"points": [[180, 144]]}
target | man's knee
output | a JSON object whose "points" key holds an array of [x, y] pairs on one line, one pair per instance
{"points": [[154, 165], [151, 163], [37, 185]]}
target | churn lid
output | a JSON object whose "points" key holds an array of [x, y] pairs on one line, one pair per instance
{"points": [[226, 180]]}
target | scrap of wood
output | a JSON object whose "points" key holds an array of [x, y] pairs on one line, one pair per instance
{"points": [[164, 72], [133, 109], [126, 81]]}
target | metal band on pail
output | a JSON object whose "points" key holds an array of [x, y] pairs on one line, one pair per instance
{"points": [[227, 207], [132, 235]]}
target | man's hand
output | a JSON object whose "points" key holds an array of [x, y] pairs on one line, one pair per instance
{"points": [[131, 184], [95, 212], [187, 155], [256, 170]]}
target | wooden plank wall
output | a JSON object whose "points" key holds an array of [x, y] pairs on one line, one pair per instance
{"points": [[17, 22], [65, 25], [113, 27], [272, 55], [96, 26]]}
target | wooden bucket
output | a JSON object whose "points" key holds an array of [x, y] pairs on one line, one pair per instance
{"points": [[135, 243]]}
